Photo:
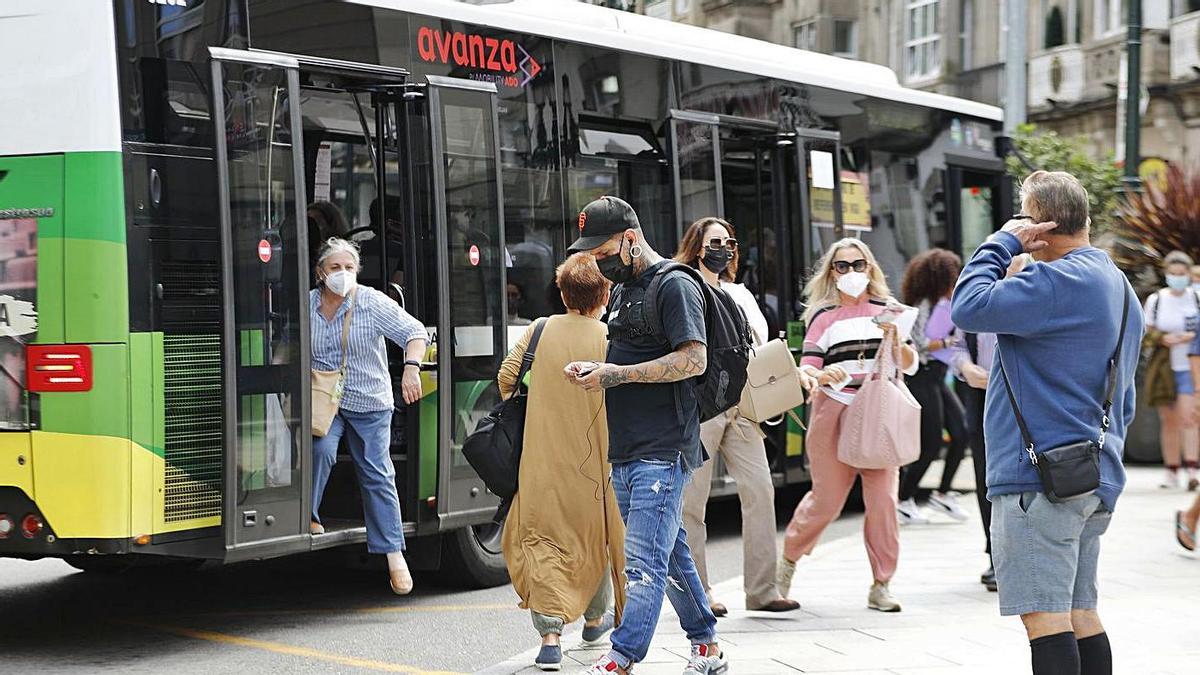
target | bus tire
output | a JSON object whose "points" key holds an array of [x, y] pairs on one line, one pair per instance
{"points": [[468, 558]]}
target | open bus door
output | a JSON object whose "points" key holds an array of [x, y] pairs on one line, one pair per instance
{"points": [[264, 304], [808, 208]]}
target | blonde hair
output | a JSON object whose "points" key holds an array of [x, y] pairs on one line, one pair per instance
{"points": [[821, 290]]}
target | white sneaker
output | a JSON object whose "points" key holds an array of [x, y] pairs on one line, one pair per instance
{"points": [[1171, 481], [704, 662], [910, 514], [947, 503], [880, 598]]}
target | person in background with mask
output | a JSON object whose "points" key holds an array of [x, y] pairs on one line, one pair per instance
{"points": [[846, 293], [1171, 316], [364, 415], [710, 246]]}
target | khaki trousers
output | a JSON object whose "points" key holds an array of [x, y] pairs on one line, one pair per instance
{"points": [[738, 442]]}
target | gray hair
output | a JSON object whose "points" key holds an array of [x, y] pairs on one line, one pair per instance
{"points": [[1056, 196], [1177, 258], [335, 245]]}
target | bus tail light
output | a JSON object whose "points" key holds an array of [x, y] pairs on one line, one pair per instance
{"points": [[31, 526], [6, 525], [58, 368]]}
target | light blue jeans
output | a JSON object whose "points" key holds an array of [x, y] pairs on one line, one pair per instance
{"points": [[369, 436], [650, 497]]}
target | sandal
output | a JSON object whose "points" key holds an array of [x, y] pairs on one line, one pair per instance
{"points": [[1182, 531]]}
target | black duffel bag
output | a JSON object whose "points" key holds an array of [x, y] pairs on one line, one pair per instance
{"points": [[494, 448]]}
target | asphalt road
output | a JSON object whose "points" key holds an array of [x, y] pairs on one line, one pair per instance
{"points": [[298, 615]]}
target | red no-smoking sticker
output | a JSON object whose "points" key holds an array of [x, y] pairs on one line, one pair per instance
{"points": [[473, 254], [264, 251]]}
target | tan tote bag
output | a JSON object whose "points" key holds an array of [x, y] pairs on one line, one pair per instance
{"points": [[327, 385], [772, 385], [882, 427]]}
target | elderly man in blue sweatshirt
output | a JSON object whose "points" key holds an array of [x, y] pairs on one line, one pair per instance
{"points": [[1057, 323]]}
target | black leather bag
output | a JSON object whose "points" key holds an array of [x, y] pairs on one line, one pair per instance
{"points": [[494, 448], [1070, 470]]}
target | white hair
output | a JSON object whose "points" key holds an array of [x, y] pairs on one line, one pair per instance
{"points": [[335, 245]]}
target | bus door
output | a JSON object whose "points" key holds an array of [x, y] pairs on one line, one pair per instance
{"points": [[265, 306], [696, 160], [471, 263], [978, 201], [807, 193]]}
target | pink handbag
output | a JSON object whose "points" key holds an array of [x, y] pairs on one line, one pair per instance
{"points": [[882, 427]]}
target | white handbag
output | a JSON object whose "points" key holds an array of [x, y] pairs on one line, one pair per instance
{"points": [[772, 384]]}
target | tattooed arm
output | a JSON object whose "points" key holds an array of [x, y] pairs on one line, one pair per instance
{"points": [[689, 360]]}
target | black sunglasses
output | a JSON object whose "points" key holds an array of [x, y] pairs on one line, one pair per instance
{"points": [[842, 266], [716, 244]]}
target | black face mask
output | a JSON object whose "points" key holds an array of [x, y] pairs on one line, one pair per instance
{"points": [[614, 268], [717, 261]]}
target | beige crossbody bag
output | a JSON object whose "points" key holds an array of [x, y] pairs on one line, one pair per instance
{"points": [[772, 385], [327, 385]]}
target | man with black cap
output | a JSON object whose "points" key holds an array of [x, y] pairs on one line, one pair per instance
{"points": [[654, 433]]}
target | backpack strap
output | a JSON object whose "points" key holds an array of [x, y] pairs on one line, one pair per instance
{"points": [[650, 301]]}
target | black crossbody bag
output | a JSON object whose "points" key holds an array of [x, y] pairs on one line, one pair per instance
{"points": [[1071, 470]]}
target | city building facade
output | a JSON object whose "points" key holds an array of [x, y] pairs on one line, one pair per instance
{"points": [[1075, 55]]}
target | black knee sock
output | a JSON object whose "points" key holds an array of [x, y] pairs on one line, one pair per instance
{"points": [[1056, 654], [1095, 655]]}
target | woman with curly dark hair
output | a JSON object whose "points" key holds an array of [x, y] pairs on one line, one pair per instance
{"points": [[928, 284]]}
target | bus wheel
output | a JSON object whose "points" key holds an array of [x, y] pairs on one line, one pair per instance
{"points": [[471, 555]]}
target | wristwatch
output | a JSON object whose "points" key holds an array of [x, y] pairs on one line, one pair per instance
{"points": [[415, 364]]}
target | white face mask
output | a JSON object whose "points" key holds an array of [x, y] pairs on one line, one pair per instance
{"points": [[853, 284], [341, 282]]}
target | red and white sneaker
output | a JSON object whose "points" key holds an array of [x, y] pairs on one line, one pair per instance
{"points": [[706, 660], [605, 666]]}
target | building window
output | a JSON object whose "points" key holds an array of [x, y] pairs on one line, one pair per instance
{"points": [[845, 38], [1110, 16], [923, 43], [966, 35], [804, 36], [1181, 7], [1055, 30]]}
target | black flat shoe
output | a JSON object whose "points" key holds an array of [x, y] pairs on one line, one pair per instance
{"points": [[988, 577]]}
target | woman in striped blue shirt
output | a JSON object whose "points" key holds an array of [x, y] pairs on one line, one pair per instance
{"points": [[365, 408]]}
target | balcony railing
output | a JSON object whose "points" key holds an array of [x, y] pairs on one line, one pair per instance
{"points": [[1056, 77], [1185, 47]]}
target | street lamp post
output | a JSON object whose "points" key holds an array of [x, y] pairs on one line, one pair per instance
{"points": [[1133, 113]]}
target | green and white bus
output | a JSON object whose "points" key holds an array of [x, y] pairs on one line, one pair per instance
{"points": [[157, 158]]}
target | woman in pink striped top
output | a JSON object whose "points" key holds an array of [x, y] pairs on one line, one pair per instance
{"points": [[846, 293]]}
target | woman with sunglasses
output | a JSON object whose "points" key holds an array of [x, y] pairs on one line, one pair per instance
{"points": [[709, 245], [845, 295]]}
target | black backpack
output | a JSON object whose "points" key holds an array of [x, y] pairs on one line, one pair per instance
{"points": [[494, 448], [727, 333]]}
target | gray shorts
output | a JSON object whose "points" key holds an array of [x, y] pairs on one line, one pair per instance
{"points": [[1045, 553]]}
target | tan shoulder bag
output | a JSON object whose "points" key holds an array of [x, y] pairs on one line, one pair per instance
{"points": [[327, 385]]}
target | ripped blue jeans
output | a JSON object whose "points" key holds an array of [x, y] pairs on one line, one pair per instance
{"points": [[650, 496]]}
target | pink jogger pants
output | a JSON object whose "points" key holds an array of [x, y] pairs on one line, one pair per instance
{"points": [[831, 483]]}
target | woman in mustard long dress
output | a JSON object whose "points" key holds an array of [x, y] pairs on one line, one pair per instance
{"points": [[564, 539]]}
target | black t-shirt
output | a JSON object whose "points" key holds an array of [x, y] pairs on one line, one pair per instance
{"points": [[654, 421]]}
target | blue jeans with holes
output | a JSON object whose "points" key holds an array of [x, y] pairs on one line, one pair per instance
{"points": [[650, 496], [369, 436]]}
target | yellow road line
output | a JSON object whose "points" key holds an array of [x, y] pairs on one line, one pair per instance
{"points": [[401, 609], [290, 650]]}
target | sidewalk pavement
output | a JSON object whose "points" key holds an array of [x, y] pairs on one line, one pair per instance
{"points": [[1149, 600]]}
